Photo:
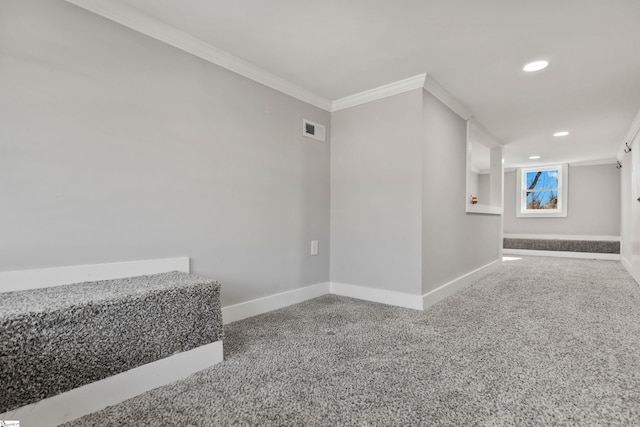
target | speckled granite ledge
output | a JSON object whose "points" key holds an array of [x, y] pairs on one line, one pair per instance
{"points": [[591, 246], [59, 338]]}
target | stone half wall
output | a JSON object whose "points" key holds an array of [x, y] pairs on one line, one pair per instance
{"points": [[59, 338]]}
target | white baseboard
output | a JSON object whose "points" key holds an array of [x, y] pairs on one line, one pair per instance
{"points": [[455, 285], [383, 296], [98, 395], [562, 254], [562, 237], [627, 265], [45, 277], [243, 310]]}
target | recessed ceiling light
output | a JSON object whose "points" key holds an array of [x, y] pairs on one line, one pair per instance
{"points": [[534, 157], [535, 66], [562, 133]]}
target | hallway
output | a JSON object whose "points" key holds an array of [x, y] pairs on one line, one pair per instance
{"points": [[541, 341]]}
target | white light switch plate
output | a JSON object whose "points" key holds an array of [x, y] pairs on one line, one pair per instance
{"points": [[314, 247]]}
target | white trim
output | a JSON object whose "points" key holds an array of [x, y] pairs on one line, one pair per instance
{"points": [[627, 265], [482, 134], [629, 138], [374, 94], [563, 193], [183, 41], [450, 288], [40, 278], [158, 30], [596, 162], [479, 136], [484, 209], [435, 89], [562, 237], [562, 254], [593, 163], [382, 296], [98, 395], [254, 307]]}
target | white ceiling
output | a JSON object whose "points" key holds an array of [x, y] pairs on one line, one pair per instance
{"points": [[475, 49]]}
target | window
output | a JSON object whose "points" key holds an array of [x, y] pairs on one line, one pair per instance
{"points": [[542, 192]]}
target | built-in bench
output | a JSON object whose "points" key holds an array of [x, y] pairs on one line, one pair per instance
{"points": [[582, 247], [56, 339]]}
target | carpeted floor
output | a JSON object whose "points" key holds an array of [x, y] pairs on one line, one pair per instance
{"points": [[543, 341]]}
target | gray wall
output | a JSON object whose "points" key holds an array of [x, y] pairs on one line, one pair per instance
{"points": [[630, 218], [376, 194], [454, 242], [116, 147], [626, 199], [479, 186], [474, 184], [484, 188], [593, 205]]}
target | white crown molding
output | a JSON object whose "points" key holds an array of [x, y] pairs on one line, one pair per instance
{"points": [[176, 38], [435, 89], [593, 163], [630, 136], [596, 162], [420, 81], [390, 89], [487, 138], [158, 30]]}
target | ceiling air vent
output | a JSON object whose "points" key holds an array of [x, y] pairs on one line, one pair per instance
{"points": [[313, 130]]}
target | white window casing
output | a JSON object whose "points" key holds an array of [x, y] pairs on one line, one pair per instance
{"points": [[562, 193]]}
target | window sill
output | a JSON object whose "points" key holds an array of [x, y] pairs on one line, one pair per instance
{"points": [[541, 214]]}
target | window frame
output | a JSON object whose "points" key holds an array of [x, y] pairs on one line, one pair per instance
{"points": [[521, 190]]}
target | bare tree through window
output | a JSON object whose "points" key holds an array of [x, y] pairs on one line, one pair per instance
{"points": [[542, 189]]}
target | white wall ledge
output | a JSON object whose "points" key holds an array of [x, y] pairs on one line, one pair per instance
{"points": [[19, 280]]}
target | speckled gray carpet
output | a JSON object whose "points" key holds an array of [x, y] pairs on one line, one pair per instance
{"points": [[542, 341], [593, 246], [58, 338]]}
